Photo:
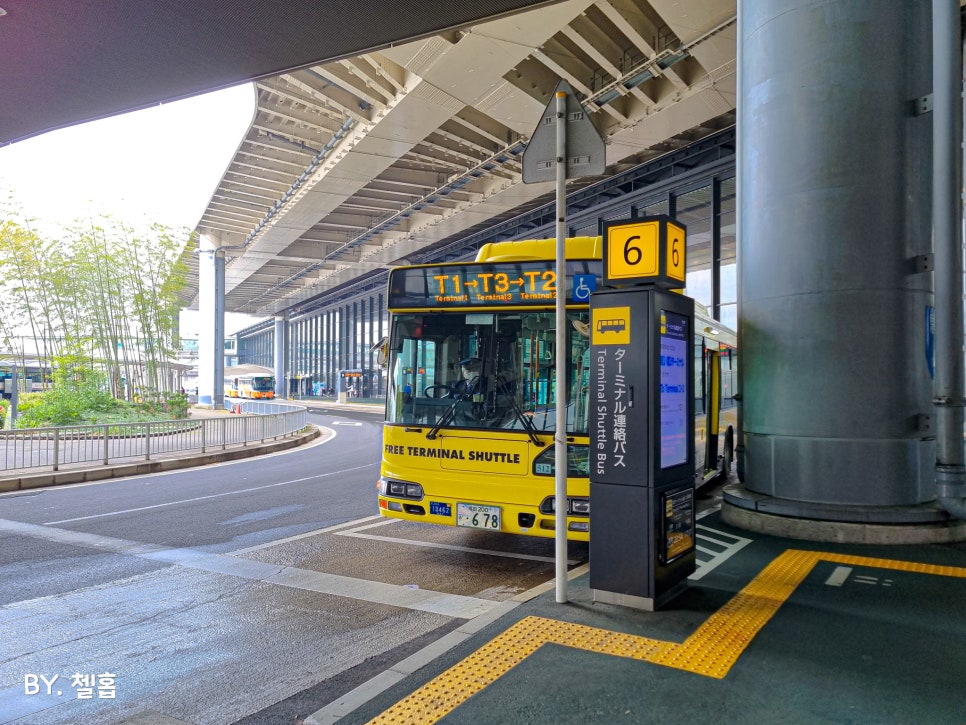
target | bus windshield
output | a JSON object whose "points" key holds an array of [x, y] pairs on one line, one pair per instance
{"points": [[263, 383], [489, 370]]}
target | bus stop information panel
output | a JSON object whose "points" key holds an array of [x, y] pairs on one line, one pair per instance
{"points": [[642, 546]]}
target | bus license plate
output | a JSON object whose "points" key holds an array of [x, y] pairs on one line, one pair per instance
{"points": [[476, 516]]}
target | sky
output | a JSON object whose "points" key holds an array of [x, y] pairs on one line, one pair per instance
{"points": [[158, 165]]}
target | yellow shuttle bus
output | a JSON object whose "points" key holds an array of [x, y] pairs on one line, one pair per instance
{"points": [[472, 397]]}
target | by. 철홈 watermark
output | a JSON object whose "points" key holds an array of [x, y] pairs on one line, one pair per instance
{"points": [[85, 686]]}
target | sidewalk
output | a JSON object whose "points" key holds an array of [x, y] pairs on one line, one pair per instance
{"points": [[769, 630]]}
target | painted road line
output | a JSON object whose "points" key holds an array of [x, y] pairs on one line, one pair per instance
{"points": [[713, 549], [424, 600], [450, 547], [297, 537], [728, 546], [838, 576], [205, 498], [710, 651]]}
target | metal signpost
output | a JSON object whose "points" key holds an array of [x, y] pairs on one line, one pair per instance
{"points": [[565, 145]]}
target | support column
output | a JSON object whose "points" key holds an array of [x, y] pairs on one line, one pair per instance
{"points": [[948, 240], [834, 204], [211, 337], [281, 363]]}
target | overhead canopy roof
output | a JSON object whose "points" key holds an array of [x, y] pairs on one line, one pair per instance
{"points": [[382, 128], [69, 61], [356, 165]]}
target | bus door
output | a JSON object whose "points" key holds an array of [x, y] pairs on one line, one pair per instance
{"points": [[713, 407]]}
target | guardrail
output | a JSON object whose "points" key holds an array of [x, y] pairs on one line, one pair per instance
{"points": [[113, 443]]}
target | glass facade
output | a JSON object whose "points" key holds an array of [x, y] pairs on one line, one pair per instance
{"points": [[324, 343], [341, 335]]}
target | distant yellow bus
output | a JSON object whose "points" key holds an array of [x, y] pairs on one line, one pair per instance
{"points": [[471, 409], [249, 381]]}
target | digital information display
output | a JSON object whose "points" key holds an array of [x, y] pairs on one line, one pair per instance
{"points": [[674, 341], [678, 524], [531, 283]]}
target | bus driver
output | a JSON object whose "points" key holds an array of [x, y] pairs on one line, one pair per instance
{"points": [[471, 384]]}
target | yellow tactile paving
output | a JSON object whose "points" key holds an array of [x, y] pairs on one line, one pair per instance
{"points": [[716, 645], [911, 566], [711, 651]]}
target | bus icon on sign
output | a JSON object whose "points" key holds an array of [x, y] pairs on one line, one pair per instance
{"points": [[617, 325], [612, 326]]}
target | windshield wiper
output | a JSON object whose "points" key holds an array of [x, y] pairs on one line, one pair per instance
{"points": [[518, 412], [444, 418]]}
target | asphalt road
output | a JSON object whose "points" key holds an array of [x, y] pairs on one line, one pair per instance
{"points": [[254, 591]]}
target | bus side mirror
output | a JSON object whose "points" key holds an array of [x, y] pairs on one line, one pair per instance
{"points": [[381, 349]]}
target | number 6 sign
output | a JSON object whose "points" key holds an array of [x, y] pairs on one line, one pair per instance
{"points": [[650, 250]]}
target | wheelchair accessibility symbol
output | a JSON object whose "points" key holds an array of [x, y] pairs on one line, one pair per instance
{"points": [[584, 284]]}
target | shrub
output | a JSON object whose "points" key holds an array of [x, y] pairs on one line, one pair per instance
{"points": [[176, 405], [79, 395]]}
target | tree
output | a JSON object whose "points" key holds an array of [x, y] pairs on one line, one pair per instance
{"points": [[104, 292]]}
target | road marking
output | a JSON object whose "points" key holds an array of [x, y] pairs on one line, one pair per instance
{"points": [[710, 651], [713, 549], [205, 498], [451, 547], [838, 576], [383, 521], [347, 422], [447, 547], [296, 537], [424, 600], [723, 547]]}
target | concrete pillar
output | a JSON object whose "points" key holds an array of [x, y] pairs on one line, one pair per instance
{"points": [[281, 363], [834, 194], [211, 335]]}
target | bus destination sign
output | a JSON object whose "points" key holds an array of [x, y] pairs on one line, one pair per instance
{"points": [[530, 283]]}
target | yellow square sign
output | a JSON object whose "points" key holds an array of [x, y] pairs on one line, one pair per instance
{"points": [[633, 250], [675, 252], [650, 251], [611, 326]]}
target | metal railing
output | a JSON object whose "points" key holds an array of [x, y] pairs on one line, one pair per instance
{"points": [[113, 443]]}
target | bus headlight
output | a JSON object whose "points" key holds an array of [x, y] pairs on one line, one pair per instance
{"points": [[400, 489], [575, 506]]}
